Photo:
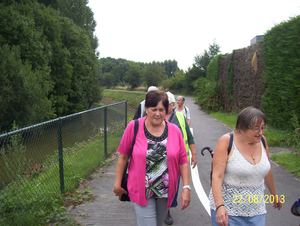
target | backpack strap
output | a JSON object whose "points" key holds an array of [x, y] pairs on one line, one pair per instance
{"points": [[136, 127], [263, 141], [230, 143]]}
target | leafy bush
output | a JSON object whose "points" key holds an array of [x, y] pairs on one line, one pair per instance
{"points": [[208, 94], [212, 71], [281, 76], [176, 82]]}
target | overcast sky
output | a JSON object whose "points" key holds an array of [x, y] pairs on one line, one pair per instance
{"points": [[159, 30]]}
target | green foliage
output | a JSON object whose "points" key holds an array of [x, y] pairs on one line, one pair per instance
{"points": [[281, 76], [37, 200], [208, 94], [190, 77], [212, 71], [107, 79], [133, 98], [170, 67], [176, 82], [153, 75], [202, 61], [14, 156], [227, 118], [290, 161], [230, 74], [133, 75], [200, 67], [49, 53], [23, 91], [275, 137], [122, 71], [295, 133]]}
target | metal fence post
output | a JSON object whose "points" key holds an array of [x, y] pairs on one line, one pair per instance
{"points": [[105, 132], [61, 159]]}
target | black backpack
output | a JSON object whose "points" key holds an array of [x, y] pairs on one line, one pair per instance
{"points": [[228, 151]]}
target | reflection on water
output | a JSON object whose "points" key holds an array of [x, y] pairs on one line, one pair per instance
{"points": [[42, 141]]}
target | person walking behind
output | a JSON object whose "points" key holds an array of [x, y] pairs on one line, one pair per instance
{"points": [[158, 159], [179, 120], [241, 174], [140, 112], [181, 108]]}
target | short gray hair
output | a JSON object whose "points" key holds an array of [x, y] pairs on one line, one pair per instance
{"points": [[248, 118], [182, 97]]}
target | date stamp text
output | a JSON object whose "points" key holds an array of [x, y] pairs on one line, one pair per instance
{"points": [[257, 199]]}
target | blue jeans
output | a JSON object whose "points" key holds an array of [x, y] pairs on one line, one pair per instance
{"points": [[258, 220]]}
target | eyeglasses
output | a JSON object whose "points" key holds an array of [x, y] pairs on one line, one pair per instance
{"points": [[256, 130]]}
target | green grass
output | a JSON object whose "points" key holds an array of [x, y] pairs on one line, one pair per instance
{"points": [[290, 161], [133, 98], [275, 137], [226, 118], [37, 199]]}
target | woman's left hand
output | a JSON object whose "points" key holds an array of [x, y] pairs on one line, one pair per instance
{"points": [[185, 198], [277, 204]]}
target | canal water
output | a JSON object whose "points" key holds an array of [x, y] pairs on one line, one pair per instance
{"points": [[42, 141]]}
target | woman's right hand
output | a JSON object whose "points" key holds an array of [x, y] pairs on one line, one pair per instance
{"points": [[119, 191], [222, 216], [121, 165]]}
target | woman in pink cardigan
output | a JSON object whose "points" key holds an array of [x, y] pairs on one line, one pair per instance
{"points": [[158, 158]]}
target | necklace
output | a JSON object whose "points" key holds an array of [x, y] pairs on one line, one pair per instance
{"points": [[253, 158]]}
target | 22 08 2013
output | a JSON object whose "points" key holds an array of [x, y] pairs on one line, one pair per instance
{"points": [[257, 199]]}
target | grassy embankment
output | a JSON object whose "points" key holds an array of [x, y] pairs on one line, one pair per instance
{"points": [[275, 138], [34, 198]]}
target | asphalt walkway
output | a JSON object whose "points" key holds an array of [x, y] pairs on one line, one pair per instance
{"points": [[107, 210]]}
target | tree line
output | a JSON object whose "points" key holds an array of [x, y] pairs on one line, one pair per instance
{"points": [[48, 60], [121, 72], [50, 66]]}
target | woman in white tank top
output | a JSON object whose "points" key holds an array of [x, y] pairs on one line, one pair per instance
{"points": [[237, 194]]}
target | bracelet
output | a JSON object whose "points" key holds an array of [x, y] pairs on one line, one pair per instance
{"points": [[219, 207], [187, 186]]}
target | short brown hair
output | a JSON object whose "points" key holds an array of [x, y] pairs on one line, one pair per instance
{"points": [[248, 118], [153, 97]]}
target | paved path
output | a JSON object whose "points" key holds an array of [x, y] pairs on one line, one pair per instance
{"points": [[107, 210]]}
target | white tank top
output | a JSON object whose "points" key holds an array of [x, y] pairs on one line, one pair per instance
{"points": [[243, 185]]}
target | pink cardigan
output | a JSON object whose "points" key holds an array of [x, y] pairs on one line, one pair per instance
{"points": [[176, 155]]}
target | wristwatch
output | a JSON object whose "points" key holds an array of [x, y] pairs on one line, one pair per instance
{"points": [[187, 186]]}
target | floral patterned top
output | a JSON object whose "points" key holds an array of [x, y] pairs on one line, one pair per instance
{"points": [[157, 175]]}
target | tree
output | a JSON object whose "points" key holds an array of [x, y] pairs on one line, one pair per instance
{"points": [[176, 82], [117, 74], [203, 60], [153, 75], [170, 67], [107, 79], [191, 76], [56, 54], [84, 63], [133, 75], [23, 92]]}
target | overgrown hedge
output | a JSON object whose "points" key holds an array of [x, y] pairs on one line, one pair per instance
{"points": [[265, 75], [282, 74], [212, 71]]}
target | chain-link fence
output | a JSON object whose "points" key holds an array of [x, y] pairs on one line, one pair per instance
{"points": [[44, 160]]}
